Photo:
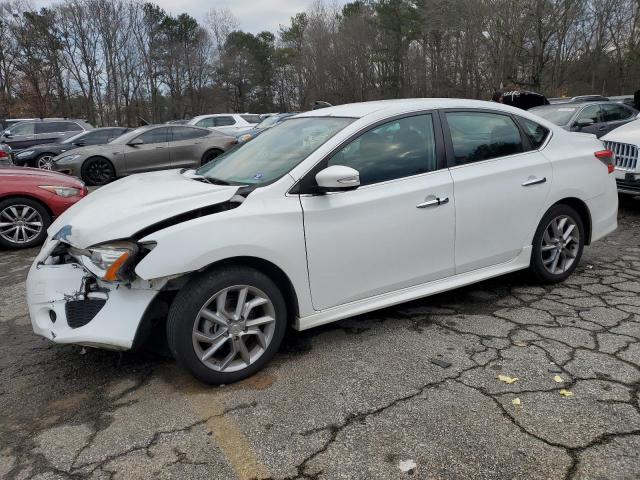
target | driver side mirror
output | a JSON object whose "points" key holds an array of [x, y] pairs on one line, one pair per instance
{"points": [[7, 133], [584, 122], [135, 142], [337, 178], [80, 143]]}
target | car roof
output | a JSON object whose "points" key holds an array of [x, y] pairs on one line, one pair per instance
{"points": [[365, 109]]}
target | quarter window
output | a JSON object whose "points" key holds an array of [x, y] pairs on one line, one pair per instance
{"points": [[206, 123], [478, 136], [397, 149], [536, 133]]}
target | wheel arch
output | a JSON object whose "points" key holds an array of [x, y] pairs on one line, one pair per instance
{"points": [[270, 269], [583, 210]]}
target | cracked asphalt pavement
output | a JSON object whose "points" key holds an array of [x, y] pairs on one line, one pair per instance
{"points": [[358, 399]]}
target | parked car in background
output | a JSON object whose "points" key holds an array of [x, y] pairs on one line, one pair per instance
{"points": [[624, 142], [30, 200], [41, 156], [6, 155], [579, 99], [265, 124], [177, 122], [153, 147], [230, 123], [35, 132], [598, 118], [334, 213]]}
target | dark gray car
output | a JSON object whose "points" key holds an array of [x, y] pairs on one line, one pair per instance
{"points": [[35, 132], [598, 118], [153, 147]]}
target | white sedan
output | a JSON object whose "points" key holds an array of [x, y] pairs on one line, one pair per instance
{"points": [[334, 213]]}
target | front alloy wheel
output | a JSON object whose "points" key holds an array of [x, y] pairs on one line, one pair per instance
{"points": [[45, 162], [226, 324], [234, 328], [23, 223]]}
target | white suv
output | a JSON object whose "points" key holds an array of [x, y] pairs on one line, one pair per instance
{"points": [[624, 142], [229, 123], [341, 211]]}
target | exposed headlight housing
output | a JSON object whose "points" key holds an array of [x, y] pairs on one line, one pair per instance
{"points": [[66, 159], [112, 261], [26, 153], [64, 192]]}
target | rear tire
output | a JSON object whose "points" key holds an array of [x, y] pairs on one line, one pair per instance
{"points": [[557, 244], [23, 222], [226, 324]]}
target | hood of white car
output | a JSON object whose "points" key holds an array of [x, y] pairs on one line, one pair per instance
{"points": [[122, 208], [629, 133]]}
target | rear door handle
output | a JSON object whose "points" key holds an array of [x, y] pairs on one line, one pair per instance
{"points": [[534, 181], [435, 202]]}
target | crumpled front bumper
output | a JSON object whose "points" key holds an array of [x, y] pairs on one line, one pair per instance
{"points": [[52, 289]]}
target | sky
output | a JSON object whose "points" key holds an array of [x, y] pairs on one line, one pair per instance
{"points": [[253, 15]]}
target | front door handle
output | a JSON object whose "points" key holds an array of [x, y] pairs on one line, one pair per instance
{"points": [[434, 202], [534, 181]]}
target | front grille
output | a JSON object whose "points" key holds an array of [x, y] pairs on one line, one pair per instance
{"points": [[81, 312], [626, 156]]}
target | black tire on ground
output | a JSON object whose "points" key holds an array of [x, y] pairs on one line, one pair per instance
{"points": [[537, 266], [210, 155], [19, 203], [194, 295], [97, 171]]}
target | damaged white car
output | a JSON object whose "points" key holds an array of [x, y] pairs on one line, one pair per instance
{"points": [[334, 213]]}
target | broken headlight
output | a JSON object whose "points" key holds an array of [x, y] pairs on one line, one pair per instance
{"points": [[113, 261]]}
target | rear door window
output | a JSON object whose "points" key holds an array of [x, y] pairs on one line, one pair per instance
{"points": [[51, 127], [157, 135], [186, 133], [206, 123], [614, 112], [477, 136], [592, 112], [224, 121]]}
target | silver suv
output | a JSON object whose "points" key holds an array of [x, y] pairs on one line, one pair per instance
{"points": [[35, 132]]}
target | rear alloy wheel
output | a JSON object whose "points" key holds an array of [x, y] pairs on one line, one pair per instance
{"points": [[210, 155], [558, 244], [45, 161], [226, 325], [98, 171], [23, 223]]}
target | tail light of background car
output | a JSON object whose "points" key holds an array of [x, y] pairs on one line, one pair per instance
{"points": [[606, 157]]}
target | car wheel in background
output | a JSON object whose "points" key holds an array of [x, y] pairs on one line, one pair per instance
{"points": [[226, 324], [23, 222], [45, 161], [557, 244], [97, 171], [210, 155]]}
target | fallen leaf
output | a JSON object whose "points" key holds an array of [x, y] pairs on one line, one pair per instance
{"points": [[516, 402], [566, 393], [518, 343], [558, 379], [507, 379], [407, 466]]}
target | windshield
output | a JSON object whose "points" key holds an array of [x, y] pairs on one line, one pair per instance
{"points": [[558, 115], [274, 153], [74, 138]]}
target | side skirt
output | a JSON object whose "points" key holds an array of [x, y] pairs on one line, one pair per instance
{"points": [[412, 293]]}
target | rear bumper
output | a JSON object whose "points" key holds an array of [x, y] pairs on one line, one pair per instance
{"points": [[62, 310], [628, 183], [604, 212]]}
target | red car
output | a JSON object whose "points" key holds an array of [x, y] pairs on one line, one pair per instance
{"points": [[29, 201]]}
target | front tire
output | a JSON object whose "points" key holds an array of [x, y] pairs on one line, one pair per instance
{"points": [[45, 161], [210, 156], [226, 324], [557, 244], [97, 171], [23, 223]]}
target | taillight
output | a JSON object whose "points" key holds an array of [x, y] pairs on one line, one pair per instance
{"points": [[606, 157], [3, 154]]}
